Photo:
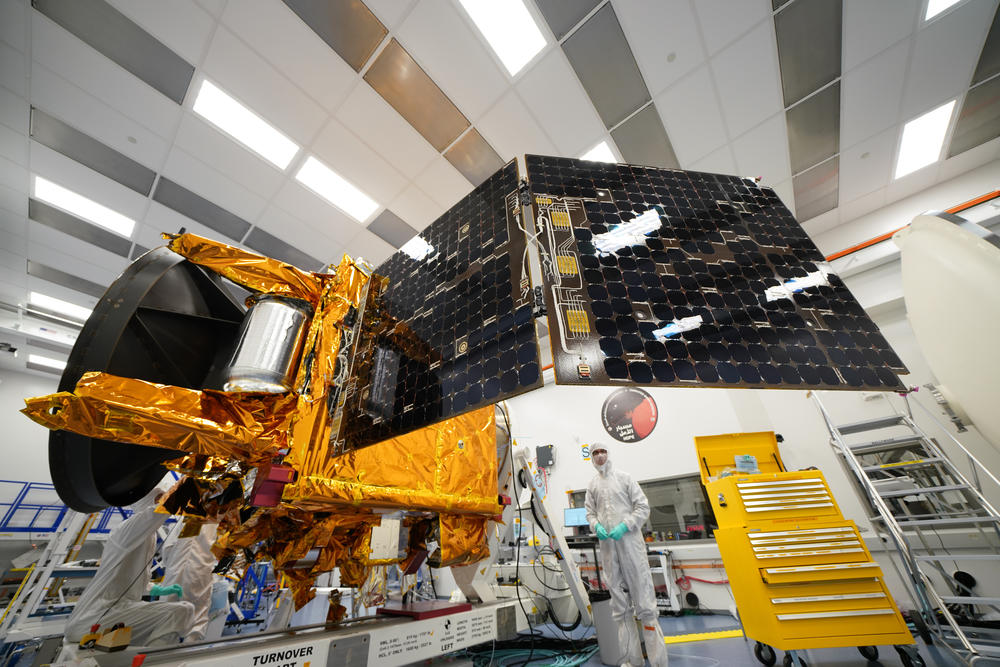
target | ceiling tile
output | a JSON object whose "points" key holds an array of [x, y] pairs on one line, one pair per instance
{"points": [[511, 130], [350, 157], [828, 219], [214, 186], [816, 190], [207, 143], [944, 56], [74, 176], [182, 25], [556, 98], [64, 223], [690, 112], [242, 73], [443, 183], [86, 150], [563, 16], [70, 280], [390, 12], [390, 228], [978, 119], [872, 93], [761, 151], [14, 17], [415, 96], [416, 208], [213, 7], [278, 35], [13, 202], [723, 21], [163, 220], [664, 37], [474, 157], [315, 211], [270, 245], [14, 145], [349, 28], [852, 210], [989, 58], [282, 224], [75, 61], [970, 159], [786, 193], [461, 65], [871, 27], [369, 247], [602, 59], [369, 116], [809, 38], [54, 248], [13, 70], [867, 166], [719, 162], [642, 140], [814, 129], [196, 207], [746, 74], [15, 177], [118, 38], [57, 96]]}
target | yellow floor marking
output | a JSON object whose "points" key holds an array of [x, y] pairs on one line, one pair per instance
{"points": [[702, 636]]}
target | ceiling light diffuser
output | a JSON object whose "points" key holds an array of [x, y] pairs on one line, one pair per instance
{"points": [[48, 362], [244, 125], [80, 206], [600, 153], [922, 140], [935, 7], [59, 306], [329, 185], [509, 29]]}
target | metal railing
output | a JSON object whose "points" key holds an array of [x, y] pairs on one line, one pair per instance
{"points": [[34, 507]]}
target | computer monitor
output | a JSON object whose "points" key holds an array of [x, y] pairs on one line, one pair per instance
{"points": [[575, 516]]}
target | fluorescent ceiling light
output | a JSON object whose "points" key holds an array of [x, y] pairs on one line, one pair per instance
{"points": [[922, 140], [417, 248], [59, 306], [329, 185], [600, 153], [46, 361], [244, 125], [509, 29], [80, 206], [935, 7]]}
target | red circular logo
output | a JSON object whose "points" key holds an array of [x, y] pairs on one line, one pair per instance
{"points": [[629, 414]]}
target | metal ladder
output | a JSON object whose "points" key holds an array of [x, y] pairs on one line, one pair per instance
{"points": [[916, 490]]}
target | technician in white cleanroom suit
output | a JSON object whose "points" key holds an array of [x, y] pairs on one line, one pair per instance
{"points": [[616, 510], [115, 593], [188, 563]]}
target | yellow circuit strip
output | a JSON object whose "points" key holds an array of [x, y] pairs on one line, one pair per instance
{"points": [[576, 320], [702, 636], [567, 265], [543, 200], [560, 219]]}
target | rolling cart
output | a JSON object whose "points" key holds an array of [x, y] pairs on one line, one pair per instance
{"points": [[800, 572]]}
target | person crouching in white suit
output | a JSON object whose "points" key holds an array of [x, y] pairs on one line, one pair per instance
{"points": [[616, 510]]}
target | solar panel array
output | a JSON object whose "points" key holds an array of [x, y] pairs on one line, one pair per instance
{"points": [[668, 277], [454, 329]]}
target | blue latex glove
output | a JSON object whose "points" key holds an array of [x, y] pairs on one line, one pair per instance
{"points": [[601, 533], [617, 532], [173, 589]]}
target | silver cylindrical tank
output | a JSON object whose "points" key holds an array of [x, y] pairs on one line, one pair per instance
{"points": [[270, 345]]}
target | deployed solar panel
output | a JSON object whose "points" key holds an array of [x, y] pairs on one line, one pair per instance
{"points": [[668, 277], [453, 330]]}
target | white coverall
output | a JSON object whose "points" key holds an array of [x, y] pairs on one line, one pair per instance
{"points": [[614, 497], [188, 561], [115, 594]]}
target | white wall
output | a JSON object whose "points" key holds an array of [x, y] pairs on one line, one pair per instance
{"points": [[25, 448]]}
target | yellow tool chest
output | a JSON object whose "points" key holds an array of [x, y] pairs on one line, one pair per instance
{"points": [[800, 572]]}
